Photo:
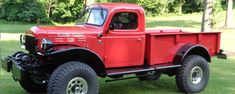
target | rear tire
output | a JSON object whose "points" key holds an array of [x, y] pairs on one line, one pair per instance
{"points": [[193, 75], [152, 75], [30, 85], [75, 78]]}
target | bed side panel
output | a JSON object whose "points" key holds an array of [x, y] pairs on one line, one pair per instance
{"points": [[161, 48]]}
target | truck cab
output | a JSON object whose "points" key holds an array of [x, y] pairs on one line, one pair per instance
{"points": [[125, 37], [110, 40]]}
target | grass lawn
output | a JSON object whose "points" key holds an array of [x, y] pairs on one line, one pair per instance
{"points": [[221, 82], [222, 71]]}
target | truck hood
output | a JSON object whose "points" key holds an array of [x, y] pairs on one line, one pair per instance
{"points": [[65, 34], [63, 31]]}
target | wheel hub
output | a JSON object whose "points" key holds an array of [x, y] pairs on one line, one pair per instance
{"points": [[196, 75], [77, 85]]}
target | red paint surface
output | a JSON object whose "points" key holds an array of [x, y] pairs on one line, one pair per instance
{"points": [[163, 45], [122, 48]]}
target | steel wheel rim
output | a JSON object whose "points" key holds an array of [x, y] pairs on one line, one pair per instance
{"points": [[196, 75], [77, 85]]}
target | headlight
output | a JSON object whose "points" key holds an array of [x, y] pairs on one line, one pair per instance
{"points": [[45, 43]]}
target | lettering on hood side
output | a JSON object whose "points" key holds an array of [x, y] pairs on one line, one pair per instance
{"points": [[80, 36]]}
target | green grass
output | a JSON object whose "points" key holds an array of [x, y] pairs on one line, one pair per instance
{"points": [[184, 20], [14, 28], [17, 27], [9, 47], [221, 82]]}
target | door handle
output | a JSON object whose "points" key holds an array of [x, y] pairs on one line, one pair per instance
{"points": [[139, 39]]}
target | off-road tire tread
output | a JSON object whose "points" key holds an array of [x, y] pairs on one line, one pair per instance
{"points": [[181, 80], [63, 73]]}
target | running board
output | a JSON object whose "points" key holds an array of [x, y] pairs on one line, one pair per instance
{"points": [[125, 78], [131, 70]]}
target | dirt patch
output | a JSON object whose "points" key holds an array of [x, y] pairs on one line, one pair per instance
{"points": [[229, 53]]}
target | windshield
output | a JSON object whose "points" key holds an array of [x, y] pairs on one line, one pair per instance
{"points": [[93, 16]]}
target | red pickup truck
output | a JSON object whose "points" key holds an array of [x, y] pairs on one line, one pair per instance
{"points": [[110, 40]]}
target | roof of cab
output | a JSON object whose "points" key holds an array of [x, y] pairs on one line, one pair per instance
{"points": [[113, 6]]}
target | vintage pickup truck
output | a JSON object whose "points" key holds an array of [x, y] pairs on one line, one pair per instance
{"points": [[110, 40]]}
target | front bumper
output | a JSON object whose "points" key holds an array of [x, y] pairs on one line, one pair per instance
{"points": [[10, 64]]}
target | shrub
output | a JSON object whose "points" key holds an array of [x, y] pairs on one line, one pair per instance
{"points": [[23, 10], [32, 11]]}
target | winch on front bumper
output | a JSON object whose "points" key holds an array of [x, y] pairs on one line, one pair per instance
{"points": [[17, 63]]}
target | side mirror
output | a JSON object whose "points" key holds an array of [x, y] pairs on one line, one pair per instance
{"points": [[111, 26]]}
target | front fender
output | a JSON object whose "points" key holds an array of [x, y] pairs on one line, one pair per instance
{"points": [[78, 54]]}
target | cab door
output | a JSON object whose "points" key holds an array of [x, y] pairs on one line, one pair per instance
{"points": [[124, 45]]}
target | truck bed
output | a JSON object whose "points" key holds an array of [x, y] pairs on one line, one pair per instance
{"points": [[161, 45]]}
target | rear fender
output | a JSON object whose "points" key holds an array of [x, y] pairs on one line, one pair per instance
{"points": [[190, 49], [78, 54]]}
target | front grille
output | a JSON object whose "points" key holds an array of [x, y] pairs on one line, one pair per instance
{"points": [[31, 44]]}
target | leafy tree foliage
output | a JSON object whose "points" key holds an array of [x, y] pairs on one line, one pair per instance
{"points": [[23, 10], [192, 6], [153, 7], [216, 13], [32, 11], [176, 6], [61, 11], [64, 11]]}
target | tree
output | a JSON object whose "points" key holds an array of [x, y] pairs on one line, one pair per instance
{"points": [[179, 4], [89, 2], [66, 10], [206, 25], [50, 4], [23, 11], [228, 21], [191, 6], [155, 7]]}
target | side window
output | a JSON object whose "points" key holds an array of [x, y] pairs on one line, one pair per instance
{"points": [[125, 20]]}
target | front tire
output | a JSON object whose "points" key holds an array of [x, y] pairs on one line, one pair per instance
{"points": [[73, 78], [193, 75]]}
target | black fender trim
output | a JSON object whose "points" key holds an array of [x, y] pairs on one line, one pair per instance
{"points": [[78, 54], [189, 49]]}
